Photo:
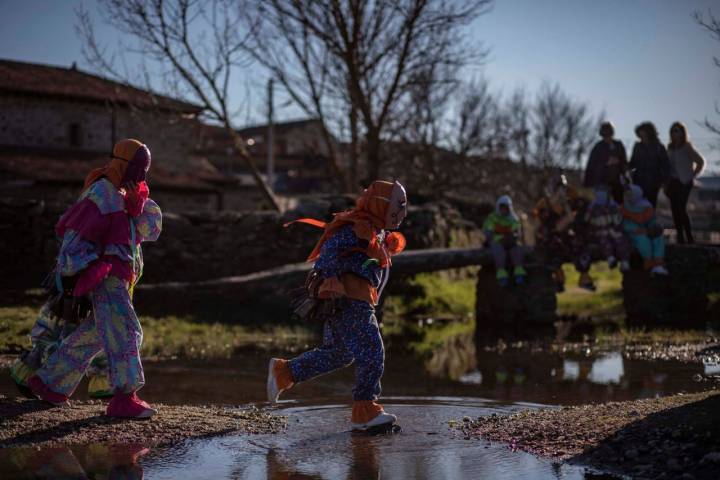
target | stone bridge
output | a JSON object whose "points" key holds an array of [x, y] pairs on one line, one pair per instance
{"points": [[680, 299]]}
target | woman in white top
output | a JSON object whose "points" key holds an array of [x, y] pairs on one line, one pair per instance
{"points": [[686, 164]]}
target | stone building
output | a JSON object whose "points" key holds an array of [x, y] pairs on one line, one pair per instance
{"points": [[301, 159], [58, 123]]}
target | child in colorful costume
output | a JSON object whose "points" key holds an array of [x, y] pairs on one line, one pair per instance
{"points": [[101, 235], [46, 335], [352, 263], [563, 231], [606, 223], [502, 228], [642, 227]]}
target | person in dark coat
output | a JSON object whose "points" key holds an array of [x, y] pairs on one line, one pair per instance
{"points": [[607, 163], [649, 162]]}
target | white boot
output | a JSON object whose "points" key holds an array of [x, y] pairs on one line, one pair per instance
{"points": [[382, 419], [659, 270], [273, 391]]}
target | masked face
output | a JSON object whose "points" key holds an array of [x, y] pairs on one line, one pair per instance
{"points": [[397, 208], [138, 166]]}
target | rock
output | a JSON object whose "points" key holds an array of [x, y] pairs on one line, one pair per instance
{"points": [[673, 464], [631, 454], [712, 457]]}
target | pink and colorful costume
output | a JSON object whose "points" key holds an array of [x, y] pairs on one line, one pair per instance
{"points": [[101, 236]]}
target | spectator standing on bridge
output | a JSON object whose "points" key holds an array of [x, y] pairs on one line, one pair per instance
{"points": [[502, 229], [644, 231], [607, 163], [649, 163], [563, 231], [606, 224], [352, 264], [100, 258], [685, 164]]}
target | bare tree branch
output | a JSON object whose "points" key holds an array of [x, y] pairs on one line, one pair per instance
{"points": [[172, 33]]}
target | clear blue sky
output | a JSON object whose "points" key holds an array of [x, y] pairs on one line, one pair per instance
{"points": [[636, 59]]}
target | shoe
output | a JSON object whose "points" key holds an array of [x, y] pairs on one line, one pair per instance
{"points": [[659, 270], [612, 262], [41, 391], [382, 418], [586, 282], [129, 405], [279, 379], [520, 279], [519, 274], [624, 266], [502, 277]]}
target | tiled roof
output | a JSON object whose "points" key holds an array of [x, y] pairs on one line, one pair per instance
{"points": [[33, 78], [69, 169], [278, 128]]}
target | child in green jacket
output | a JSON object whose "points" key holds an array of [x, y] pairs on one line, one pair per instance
{"points": [[502, 229]]}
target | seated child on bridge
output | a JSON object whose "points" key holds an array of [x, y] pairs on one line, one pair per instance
{"points": [[352, 263], [100, 258], [562, 233], [606, 226], [502, 228], [645, 233]]}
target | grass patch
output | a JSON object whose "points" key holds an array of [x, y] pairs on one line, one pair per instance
{"points": [[606, 301], [434, 295], [626, 336], [168, 337], [432, 309]]}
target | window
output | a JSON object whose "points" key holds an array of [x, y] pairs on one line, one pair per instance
{"points": [[75, 135]]}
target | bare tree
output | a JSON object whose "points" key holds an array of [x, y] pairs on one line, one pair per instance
{"points": [[711, 23], [198, 44], [358, 59], [562, 129], [478, 120]]}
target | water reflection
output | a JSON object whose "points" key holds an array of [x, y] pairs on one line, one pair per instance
{"points": [[560, 378], [318, 446], [117, 462]]}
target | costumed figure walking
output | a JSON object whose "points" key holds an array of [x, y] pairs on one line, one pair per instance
{"points": [[352, 264], [99, 263]]}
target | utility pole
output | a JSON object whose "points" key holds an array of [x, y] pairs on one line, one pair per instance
{"points": [[270, 139]]}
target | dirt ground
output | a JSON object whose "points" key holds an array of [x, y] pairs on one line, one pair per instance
{"points": [[34, 423], [669, 437]]}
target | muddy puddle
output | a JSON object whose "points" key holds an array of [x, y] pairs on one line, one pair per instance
{"points": [[315, 445], [424, 393]]}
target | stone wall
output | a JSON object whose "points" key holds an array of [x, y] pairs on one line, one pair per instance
{"points": [[203, 246], [679, 300], [30, 122]]}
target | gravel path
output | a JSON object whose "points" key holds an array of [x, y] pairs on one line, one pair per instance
{"points": [[669, 437], [32, 422]]}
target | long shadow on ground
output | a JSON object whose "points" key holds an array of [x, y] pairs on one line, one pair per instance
{"points": [[667, 444]]}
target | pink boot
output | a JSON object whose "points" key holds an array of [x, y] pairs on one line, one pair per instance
{"points": [[44, 393], [129, 405]]}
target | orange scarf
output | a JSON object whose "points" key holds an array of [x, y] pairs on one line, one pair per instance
{"points": [[114, 171], [367, 218]]}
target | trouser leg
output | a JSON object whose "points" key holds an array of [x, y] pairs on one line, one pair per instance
{"points": [[331, 356], [66, 365], [499, 255], [119, 330]]}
